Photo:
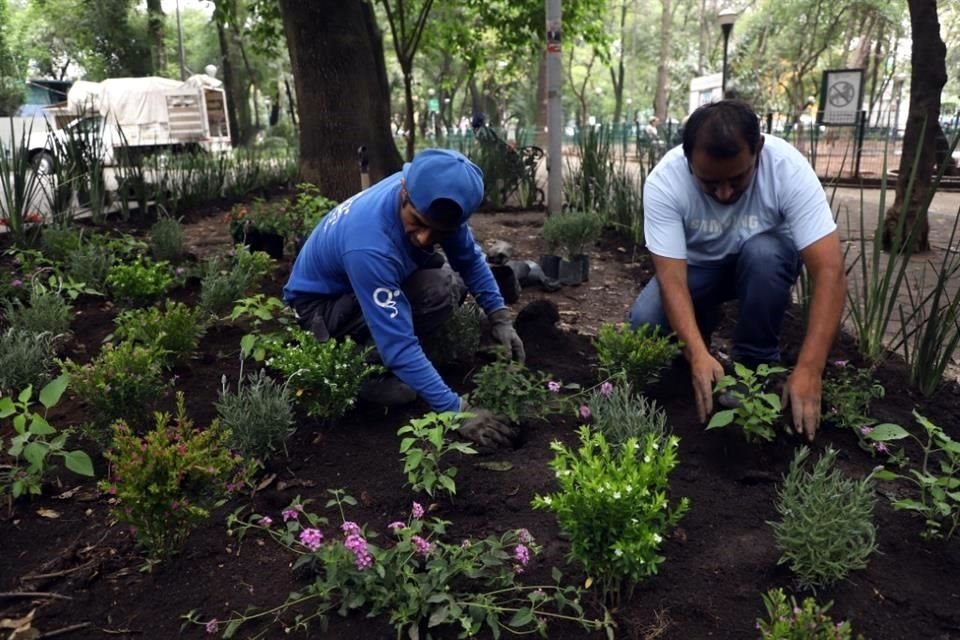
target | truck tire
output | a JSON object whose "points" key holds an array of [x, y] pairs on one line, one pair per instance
{"points": [[43, 163]]}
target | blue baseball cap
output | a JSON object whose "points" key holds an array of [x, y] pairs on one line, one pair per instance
{"points": [[441, 174]]}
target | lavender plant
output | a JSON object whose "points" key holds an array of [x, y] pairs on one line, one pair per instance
{"points": [[259, 415], [166, 239], [826, 527], [619, 414], [427, 441], [46, 312], [936, 478], [422, 582], [26, 358], [614, 504], [758, 410], [786, 620]]}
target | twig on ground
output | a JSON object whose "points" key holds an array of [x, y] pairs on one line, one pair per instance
{"points": [[33, 594], [64, 630]]}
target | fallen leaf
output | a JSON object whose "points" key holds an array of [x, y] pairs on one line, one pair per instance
{"points": [[16, 623], [66, 495], [494, 466], [283, 485], [266, 482], [48, 513]]}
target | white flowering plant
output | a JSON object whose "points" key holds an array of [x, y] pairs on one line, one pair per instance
{"points": [[422, 582], [614, 503], [326, 376]]}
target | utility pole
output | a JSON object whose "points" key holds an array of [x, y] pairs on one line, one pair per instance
{"points": [[554, 109]]}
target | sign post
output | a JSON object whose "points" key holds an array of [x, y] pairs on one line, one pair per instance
{"points": [[841, 96]]}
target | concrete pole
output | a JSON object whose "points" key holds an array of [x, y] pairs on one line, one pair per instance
{"points": [[554, 109], [183, 65]]}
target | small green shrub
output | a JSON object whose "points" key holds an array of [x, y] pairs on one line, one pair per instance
{"points": [[326, 375], [571, 232], [47, 312], [619, 414], [259, 415], [167, 481], [758, 410], [506, 387], [174, 332], [847, 395], [26, 358], [640, 355], [614, 505], [223, 282], [427, 441], [122, 383], [310, 206], [90, 264], [826, 521], [58, 242], [139, 283], [458, 339], [166, 239], [786, 620]]}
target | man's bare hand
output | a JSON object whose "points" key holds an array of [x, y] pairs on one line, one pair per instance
{"points": [[706, 372], [801, 393]]}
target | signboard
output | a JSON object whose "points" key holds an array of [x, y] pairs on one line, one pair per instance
{"points": [[433, 105], [841, 93]]}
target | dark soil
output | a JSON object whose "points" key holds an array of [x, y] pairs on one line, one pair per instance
{"points": [[718, 562]]}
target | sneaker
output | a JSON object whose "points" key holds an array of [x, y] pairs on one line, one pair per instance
{"points": [[388, 391]]}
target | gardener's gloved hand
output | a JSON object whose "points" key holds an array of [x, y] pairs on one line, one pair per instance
{"points": [[486, 429], [506, 335]]}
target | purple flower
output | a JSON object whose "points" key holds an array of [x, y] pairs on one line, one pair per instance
{"points": [[291, 513], [881, 447], [212, 625], [265, 521], [866, 429], [180, 271], [363, 560], [524, 536], [554, 386], [417, 510], [841, 363], [356, 544], [396, 526], [311, 539], [585, 412], [421, 546], [16, 284], [466, 544], [521, 555], [606, 389], [350, 528]]}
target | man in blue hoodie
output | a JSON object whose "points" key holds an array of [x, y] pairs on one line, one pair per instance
{"points": [[371, 265]]}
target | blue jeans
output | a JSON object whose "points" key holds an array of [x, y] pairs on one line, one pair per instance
{"points": [[759, 277]]}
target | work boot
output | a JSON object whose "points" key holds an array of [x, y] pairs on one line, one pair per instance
{"points": [[387, 390]]}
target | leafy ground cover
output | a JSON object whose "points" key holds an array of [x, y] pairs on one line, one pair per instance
{"points": [[719, 560]]}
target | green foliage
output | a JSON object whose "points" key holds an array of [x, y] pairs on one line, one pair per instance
{"points": [[224, 282], [422, 583], [936, 478], [166, 239], [625, 208], [589, 182], [309, 207], [121, 383], [620, 414], [758, 410], [20, 189], [458, 339], [848, 395], [506, 387], [639, 355], [26, 358], [427, 441], [258, 310], [572, 232], [786, 620], [47, 312], [167, 481], [326, 375], [826, 521], [267, 216], [36, 441], [57, 242], [259, 415], [614, 505], [173, 333], [139, 283], [90, 264]]}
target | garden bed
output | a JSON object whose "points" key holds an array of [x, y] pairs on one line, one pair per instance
{"points": [[718, 562]]}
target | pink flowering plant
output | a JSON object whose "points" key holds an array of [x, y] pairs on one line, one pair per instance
{"points": [[412, 574], [758, 408], [848, 392], [424, 443], [506, 387], [786, 620], [614, 504], [165, 483], [936, 478]]}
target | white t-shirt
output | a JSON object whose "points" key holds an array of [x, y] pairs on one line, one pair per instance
{"points": [[683, 222]]}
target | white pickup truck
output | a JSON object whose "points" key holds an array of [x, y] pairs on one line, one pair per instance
{"points": [[147, 114]]}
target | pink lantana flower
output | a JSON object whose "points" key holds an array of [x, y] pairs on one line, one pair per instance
{"points": [[606, 389], [553, 386]]}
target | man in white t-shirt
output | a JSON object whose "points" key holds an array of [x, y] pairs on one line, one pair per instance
{"points": [[732, 214]]}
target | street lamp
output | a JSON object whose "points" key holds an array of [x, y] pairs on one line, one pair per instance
{"points": [[726, 18], [898, 82]]}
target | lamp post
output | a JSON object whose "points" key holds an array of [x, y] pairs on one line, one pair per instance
{"points": [[726, 18], [898, 82]]}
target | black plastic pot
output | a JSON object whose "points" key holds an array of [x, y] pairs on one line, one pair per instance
{"points": [[551, 266], [507, 282], [268, 242], [584, 261], [570, 272]]}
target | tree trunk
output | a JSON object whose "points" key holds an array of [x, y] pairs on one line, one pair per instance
{"points": [[228, 83], [666, 31], [408, 109], [617, 71], [343, 97], [928, 75], [155, 21]]}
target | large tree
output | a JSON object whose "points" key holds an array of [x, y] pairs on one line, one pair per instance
{"points": [[928, 75], [336, 52]]}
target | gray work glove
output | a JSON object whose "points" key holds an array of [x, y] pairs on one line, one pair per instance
{"points": [[485, 429], [501, 326]]}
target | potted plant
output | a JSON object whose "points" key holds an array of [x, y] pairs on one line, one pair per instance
{"points": [[262, 226], [570, 233]]}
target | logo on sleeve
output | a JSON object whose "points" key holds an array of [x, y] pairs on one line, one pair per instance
{"points": [[387, 299]]}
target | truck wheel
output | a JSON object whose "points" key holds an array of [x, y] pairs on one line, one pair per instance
{"points": [[42, 163]]}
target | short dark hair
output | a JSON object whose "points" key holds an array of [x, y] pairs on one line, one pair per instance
{"points": [[445, 213], [721, 128]]}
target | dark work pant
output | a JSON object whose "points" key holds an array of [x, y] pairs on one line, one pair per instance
{"points": [[759, 277]]}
